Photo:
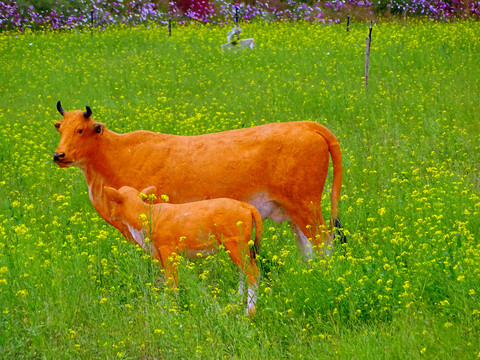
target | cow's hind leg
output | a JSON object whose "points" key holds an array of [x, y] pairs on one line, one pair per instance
{"points": [[309, 229], [304, 245]]}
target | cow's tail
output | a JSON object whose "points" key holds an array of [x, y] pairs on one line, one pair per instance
{"points": [[335, 153]]}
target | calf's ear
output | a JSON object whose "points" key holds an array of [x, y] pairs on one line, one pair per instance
{"points": [[151, 190], [113, 195], [98, 127]]}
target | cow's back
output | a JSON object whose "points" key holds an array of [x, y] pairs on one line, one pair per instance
{"points": [[281, 160]]}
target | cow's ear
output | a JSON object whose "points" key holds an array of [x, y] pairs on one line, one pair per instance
{"points": [[98, 127], [151, 190], [113, 195]]}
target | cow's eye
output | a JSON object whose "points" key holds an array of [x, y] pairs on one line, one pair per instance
{"points": [[80, 131], [57, 126]]}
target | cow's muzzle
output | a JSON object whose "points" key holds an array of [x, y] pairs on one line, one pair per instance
{"points": [[58, 157]]}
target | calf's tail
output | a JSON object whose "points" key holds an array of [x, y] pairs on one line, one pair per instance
{"points": [[258, 233]]}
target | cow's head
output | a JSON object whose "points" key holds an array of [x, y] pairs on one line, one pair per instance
{"points": [[79, 136], [124, 203]]}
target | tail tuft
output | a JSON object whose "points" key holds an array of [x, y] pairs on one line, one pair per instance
{"points": [[255, 251], [339, 234]]}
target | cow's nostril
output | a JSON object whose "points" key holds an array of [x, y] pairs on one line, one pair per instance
{"points": [[57, 157]]}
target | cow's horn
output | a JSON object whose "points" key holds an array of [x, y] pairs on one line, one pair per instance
{"points": [[87, 113], [59, 108]]}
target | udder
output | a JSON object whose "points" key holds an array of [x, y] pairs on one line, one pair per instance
{"points": [[269, 208]]}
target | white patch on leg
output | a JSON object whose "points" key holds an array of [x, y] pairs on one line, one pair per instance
{"points": [[305, 246], [251, 300], [241, 284], [252, 297], [251, 294]]}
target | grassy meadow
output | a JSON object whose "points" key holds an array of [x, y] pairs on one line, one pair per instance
{"points": [[405, 286]]}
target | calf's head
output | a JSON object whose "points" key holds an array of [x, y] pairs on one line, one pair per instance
{"points": [[79, 136]]}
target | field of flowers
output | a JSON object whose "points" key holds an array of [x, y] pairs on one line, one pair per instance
{"points": [[407, 283]]}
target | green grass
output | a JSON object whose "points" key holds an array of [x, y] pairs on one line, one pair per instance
{"points": [[407, 284]]}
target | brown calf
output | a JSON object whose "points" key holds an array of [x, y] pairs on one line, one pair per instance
{"points": [[191, 229]]}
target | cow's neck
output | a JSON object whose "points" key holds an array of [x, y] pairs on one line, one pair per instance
{"points": [[95, 182], [103, 169]]}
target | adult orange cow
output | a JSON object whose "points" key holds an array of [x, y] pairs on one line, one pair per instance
{"points": [[279, 168]]}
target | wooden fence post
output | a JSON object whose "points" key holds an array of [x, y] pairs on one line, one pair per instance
{"points": [[367, 54], [170, 27], [348, 23], [237, 18]]}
